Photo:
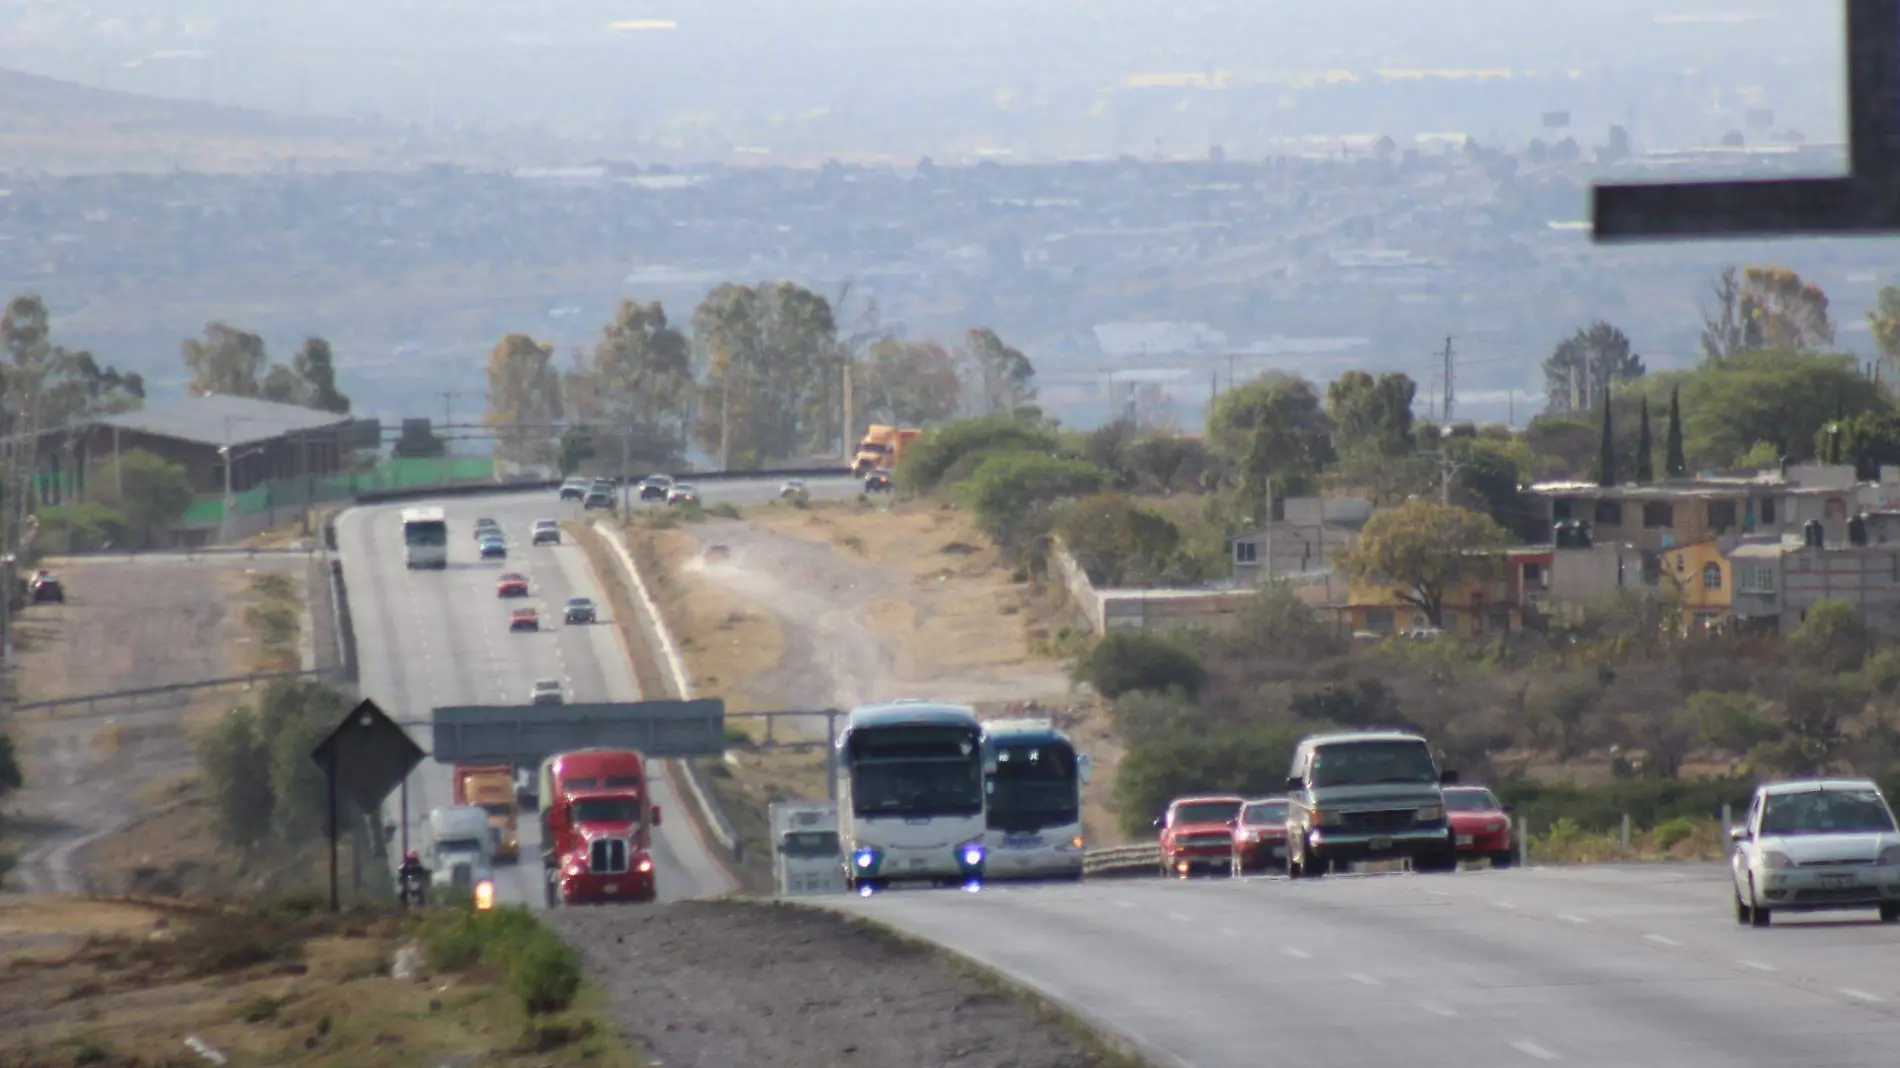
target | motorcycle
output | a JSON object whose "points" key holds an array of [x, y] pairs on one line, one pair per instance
{"points": [[415, 890]]}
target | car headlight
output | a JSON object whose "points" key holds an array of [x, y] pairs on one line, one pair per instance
{"points": [[1890, 857], [1431, 813], [1775, 859]]}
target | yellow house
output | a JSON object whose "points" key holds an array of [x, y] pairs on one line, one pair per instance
{"points": [[1701, 576], [1486, 599]]}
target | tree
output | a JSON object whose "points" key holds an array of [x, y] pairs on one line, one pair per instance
{"points": [[1134, 661], [1116, 541], [1423, 549], [639, 383], [908, 383], [1722, 323], [1011, 494], [151, 493], [1606, 450], [48, 385], [524, 399], [1583, 368], [226, 360], [1645, 450], [1780, 311], [236, 763], [1004, 378], [959, 447], [1372, 413], [1273, 431], [1675, 464], [308, 381], [774, 372], [1884, 320], [1766, 395], [1869, 441]]}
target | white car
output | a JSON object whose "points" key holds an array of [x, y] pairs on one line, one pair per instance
{"points": [[546, 692], [792, 488], [681, 493], [546, 532], [1813, 845]]}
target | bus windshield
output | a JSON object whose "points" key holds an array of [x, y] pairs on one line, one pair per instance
{"points": [[427, 533], [1033, 786], [916, 771], [811, 844]]}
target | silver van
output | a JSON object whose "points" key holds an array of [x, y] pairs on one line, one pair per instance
{"points": [[1367, 795]]}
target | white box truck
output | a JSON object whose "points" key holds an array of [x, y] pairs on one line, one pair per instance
{"points": [[461, 849], [806, 856]]}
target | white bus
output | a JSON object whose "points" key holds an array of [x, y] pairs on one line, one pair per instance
{"points": [[425, 537], [910, 795], [1032, 800]]}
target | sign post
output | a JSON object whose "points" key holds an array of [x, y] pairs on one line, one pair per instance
{"points": [[1867, 201], [364, 758]]}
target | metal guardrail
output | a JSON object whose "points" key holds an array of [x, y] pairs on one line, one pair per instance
{"points": [[311, 548], [479, 489], [1123, 860], [160, 691]]}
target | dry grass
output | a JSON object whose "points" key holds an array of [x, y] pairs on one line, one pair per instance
{"points": [[94, 982], [1676, 839]]}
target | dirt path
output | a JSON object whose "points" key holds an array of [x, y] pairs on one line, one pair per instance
{"points": [[720, 984], [90, 771]]}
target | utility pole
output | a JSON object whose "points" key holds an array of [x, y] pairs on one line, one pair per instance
{"points": [[1448, 394], [850, 411], [448, 415]]}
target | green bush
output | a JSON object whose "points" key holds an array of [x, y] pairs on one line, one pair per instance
{"points": [[546, 975], [1011, 495], [541, 969], [1649, 802], [927, 460], [1127, 661], [1673, 832], [1250, 761], [1116, 541]]}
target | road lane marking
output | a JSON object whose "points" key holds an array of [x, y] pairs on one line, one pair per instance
{"points": [[1229, 932], [1363, 979], [1758, 965], [1568, 917], [1505, 904], [1436, 1009], [1532, 1049], [1660, 940], [1860, 995], [1297, 954], [1178, 917]]}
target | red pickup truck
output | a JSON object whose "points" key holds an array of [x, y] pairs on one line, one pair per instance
{"points": [[596, 827], [1197, 834]]}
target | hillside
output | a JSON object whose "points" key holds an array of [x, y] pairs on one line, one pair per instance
{"points": [[62, 127]]}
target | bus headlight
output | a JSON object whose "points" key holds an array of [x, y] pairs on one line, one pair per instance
{"points": [[971, 854], [865, 859]]}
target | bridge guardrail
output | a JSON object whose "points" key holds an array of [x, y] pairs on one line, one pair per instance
{"points": [[1123, 861]]}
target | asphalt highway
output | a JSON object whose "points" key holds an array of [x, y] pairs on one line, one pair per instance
{"points": [[427, 639], [1626, 966]]}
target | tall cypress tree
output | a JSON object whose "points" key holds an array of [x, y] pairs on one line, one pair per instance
{"points": [[1606, 452], [1645, 466], [1675, 464]]}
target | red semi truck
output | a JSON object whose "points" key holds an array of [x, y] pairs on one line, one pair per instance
{"points": [[596, 827]]}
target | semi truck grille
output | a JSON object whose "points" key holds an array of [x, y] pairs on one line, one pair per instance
{"points": [[607, 856], [1390, 820]]}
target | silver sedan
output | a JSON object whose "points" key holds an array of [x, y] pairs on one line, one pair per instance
{"points": [[1813, 845]]}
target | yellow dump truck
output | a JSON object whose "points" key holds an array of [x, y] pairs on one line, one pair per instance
{"points": [[492, 788], [882, 447]]}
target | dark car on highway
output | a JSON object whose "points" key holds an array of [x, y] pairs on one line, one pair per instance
{"points": [[580, 610]]}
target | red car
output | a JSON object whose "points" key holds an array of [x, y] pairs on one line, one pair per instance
{"points": [[524, 619], [1260, 837], [1198, 834], [511, 585], [1482, 824]]}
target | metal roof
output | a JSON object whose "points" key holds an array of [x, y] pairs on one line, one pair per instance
{"points": [[220, 419]]}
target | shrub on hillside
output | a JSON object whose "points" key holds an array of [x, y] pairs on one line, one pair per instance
{"points": [[1116, 541], [543, 971], [258, 769], [1250, 761], [1012, 493], [930, 457], [1141, 716], [1127, 661]]}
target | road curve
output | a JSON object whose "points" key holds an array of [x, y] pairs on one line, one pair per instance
{"points": [[427, 639], [1615, 966]]}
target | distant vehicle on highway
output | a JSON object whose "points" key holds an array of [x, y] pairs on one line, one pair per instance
{"points": [[44, 588], [546, 692], [793, 489], [1032, 801], [490, 787], [1197, 834], [486, 527], [1367, 795], [1260, 837], [511, 584], [461, 849], [1481, 823], [596, 828], [910, 794], [655, 487], [546, 532], [527, 789], [574, 489], [598, 498], [682, 493], [877, 482], [524, 619], [1811, 845], [425, 538], [580, 610], [493, 547], [806, 856]]}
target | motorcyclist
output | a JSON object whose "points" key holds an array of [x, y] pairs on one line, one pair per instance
{"points": [[412, 873]]}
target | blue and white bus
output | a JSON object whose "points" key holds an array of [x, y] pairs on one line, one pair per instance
{"points": [[425, 538], [1032, 803], [910, 794]]}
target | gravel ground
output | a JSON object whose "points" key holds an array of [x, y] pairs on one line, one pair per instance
{"points": [[719, 984]]}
